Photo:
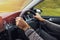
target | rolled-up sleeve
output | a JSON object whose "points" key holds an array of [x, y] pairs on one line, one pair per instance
{"points": [[32, 35]]}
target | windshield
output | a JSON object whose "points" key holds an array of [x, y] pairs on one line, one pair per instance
{"points": [[50, 7], [13, 5]]}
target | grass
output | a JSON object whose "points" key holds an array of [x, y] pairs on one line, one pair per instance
{"points": [[51, 12], [50, 7]]}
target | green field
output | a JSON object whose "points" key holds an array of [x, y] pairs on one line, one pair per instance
{"points": [[50, 7], [51, 12]]}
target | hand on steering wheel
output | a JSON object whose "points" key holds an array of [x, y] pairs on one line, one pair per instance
{"points": [[38, 17], [21, 23]]}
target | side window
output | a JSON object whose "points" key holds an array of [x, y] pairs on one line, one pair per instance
{"points": [[50, 7]]}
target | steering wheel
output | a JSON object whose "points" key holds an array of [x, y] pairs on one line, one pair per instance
{"points": [[28, 17]]}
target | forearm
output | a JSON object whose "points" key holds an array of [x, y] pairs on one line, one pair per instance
{"points": [[52, 26], [32, 35]]}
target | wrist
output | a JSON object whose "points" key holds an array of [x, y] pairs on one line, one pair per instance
{"points": [[27, 27], [42, 20]]}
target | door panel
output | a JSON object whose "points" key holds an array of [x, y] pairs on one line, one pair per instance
{"points": [[52, 19]]}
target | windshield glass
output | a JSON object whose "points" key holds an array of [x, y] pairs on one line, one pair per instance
{"points": [[13, 5], [50, 7]]}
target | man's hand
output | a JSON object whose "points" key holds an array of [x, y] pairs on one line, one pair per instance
{"points": [[1, 24], [21, 23], [37, 16]]}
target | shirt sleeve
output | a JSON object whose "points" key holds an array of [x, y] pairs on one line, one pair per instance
{"points": [[32, 35], [52, 26]]}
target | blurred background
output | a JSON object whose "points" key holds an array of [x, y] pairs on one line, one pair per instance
{"points": [[50, 7]]}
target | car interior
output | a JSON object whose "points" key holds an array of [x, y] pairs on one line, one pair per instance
{"points": [[28, 17]]}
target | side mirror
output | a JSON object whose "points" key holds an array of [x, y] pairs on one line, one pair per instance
{"points": [[37, 10]]}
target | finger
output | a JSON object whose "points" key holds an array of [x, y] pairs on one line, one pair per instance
{"points": [[37, 13], [17, 22], [34, 16], [18, 18]]}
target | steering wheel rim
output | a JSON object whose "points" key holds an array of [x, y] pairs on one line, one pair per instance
{"points": [[26, 12]]}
